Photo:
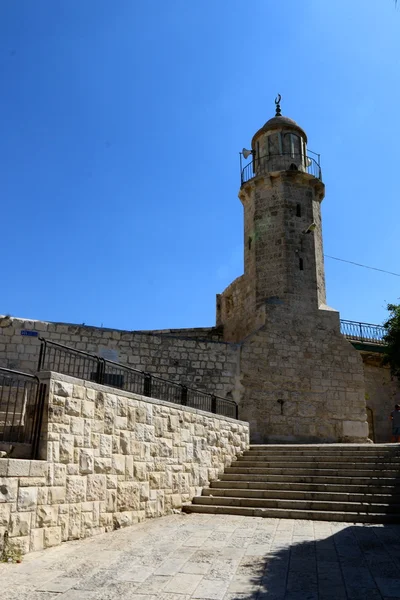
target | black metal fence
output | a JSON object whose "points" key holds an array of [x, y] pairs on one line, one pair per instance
{"points": [[363, 332], [63, 359], [22, 399], [281, 162]]}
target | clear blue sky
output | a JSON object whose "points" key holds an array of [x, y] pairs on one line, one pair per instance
{"points": [[121, 123]]}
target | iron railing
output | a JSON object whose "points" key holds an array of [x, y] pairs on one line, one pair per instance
{"points": [[63, 359], [363, 332], [22, 399], [281, 162]]}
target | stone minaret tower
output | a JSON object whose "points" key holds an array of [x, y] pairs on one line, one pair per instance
{"points": [[298, 379], [281, 192]]}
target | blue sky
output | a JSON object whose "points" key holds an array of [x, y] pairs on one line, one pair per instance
{"points": [[121, 124]]}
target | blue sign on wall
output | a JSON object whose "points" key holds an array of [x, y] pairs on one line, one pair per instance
{"points": [[29, 332]]}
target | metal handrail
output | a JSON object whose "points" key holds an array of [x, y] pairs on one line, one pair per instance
{"points": [[363, 332], [22, 401], [106, 372], [19, 373], [284, 161]]}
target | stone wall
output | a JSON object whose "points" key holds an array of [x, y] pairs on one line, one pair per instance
{"points": [[185, 356], [381, 394], [302, 381], [113, 459]]}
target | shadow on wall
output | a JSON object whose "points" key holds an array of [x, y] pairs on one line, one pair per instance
{"points": [[356, 563]]}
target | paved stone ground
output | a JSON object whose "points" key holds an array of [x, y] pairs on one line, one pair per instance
{"points": [[184, 557]]}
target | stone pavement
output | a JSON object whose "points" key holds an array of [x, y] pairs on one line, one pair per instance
{"points": [[218, 557]]}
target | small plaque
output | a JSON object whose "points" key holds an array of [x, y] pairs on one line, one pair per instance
{"points": [[29, 333]]}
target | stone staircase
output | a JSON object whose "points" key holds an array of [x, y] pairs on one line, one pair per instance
{"points": [[335, 482]]}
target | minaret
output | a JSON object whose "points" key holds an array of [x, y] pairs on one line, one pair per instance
{"points": [[297, 378], [281, 192]]}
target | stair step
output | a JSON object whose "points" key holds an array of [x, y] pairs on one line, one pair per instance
{"points": [[385, 458], [310, 479], [332, 447], [312, 505], [314, 487], [278, 513], [367, 498], [316, 464], [353, 483], [313, 472]]}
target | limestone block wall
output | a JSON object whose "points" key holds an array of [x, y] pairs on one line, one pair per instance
{"points": [[381, 394], [236, 310], [302, 381], [113, 459], [185, 356]]}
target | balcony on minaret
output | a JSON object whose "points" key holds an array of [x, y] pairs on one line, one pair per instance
{"points": [[280, 145]]}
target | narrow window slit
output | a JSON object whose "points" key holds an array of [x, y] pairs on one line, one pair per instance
{"points": [[301, 264]]}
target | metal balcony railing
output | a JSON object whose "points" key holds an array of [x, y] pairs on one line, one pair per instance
{"points": [[363, 332], [281, 162], [69, 361]]}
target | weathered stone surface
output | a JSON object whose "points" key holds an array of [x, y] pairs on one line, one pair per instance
{"points": [[96, 487], [8, 489], [19, 524], [86, 461], [52, 536], [76, 489], [27, 498], [94, 481]]}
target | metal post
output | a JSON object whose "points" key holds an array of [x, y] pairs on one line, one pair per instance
{"points": [[184, 395], [147, 385], [42, 354], [213, 404]]}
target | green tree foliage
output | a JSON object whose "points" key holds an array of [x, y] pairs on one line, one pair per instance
{"points": [[392, 339]]}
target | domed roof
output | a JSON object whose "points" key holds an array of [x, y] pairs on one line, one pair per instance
{"points": [[278, 122]]}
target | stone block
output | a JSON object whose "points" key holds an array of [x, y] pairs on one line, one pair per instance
{"points": [[18, 468], [86, 461], [122, 519], [38, 468], [27, 498], [102, 465], [88, 409], [76, 489], [42, 495], [105, 445], [90, 394], [96, 487], [355, 429], [74, 522], [112, 481], [128, 496], [73, 407], [5, 511], [19, 544], [8, 489], [36, 540], [118, 464], [57, 495], [77, 426], [111, 502], [78, 391], [66, 448], [3, 467], [46, 516], [62, 388], [52, 536], [19, 524]]}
